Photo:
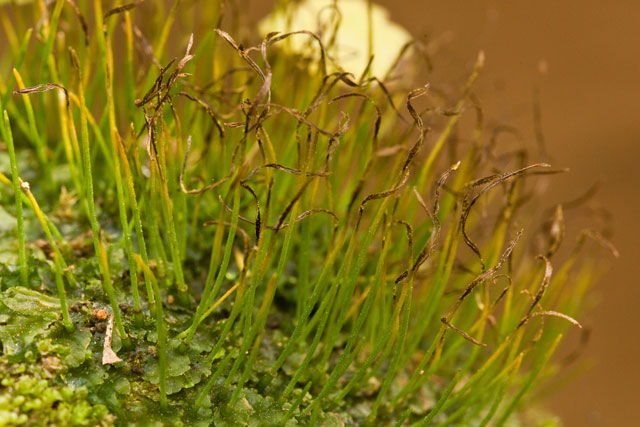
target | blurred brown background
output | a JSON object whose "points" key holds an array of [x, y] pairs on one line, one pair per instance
{"points": [[591, 121]]}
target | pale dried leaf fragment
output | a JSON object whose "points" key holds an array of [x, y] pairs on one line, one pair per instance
{"points": [[557, 314], [109, 356]]}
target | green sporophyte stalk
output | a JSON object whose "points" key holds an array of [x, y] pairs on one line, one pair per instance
{"points": [[205, 226]]}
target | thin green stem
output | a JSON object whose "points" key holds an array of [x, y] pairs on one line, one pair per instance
{"points": [[5, 127]]}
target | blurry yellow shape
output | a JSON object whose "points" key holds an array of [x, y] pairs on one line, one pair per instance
{"points": [[343, 26]]}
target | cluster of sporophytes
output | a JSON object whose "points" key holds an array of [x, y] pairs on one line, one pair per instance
{"points": [[243, 236]]}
